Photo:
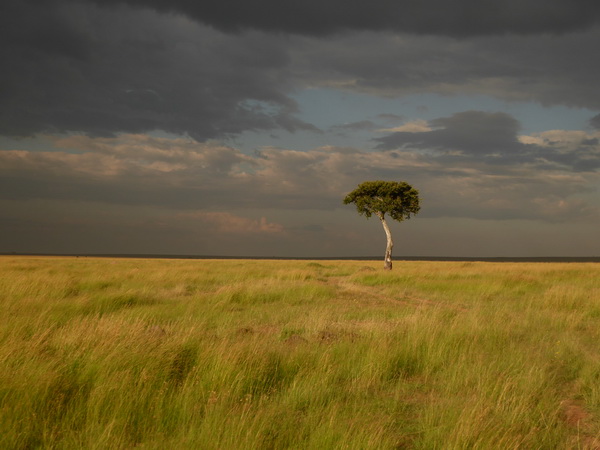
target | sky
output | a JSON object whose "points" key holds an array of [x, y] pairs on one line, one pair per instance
{"points": [[236, 128]]}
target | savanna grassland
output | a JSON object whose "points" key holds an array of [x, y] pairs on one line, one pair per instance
{"points": [[234, 354]]}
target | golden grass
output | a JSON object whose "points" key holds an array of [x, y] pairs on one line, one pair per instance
{"points": [[120, 353]]}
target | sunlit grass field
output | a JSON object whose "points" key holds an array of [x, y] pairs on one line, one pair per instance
{"points": [[237, 354]]}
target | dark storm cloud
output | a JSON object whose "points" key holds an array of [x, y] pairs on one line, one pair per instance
{"points": [[75, 67], [549, 69], [87, 67], [595, 122], [470, 132], [455, 18], [493, 138]]}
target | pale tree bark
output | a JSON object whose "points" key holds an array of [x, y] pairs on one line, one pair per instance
{"points": [[390, 243]]}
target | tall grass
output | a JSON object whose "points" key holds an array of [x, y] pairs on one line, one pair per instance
{"points": [[121, 353]]}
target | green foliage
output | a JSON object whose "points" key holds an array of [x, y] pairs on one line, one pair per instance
{"points": [[398, 199]]}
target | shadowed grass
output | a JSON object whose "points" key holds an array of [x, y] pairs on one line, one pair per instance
{"points": [[118, 353]]}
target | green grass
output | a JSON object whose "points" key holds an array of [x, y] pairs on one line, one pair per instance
{"points": [[123, 353]]}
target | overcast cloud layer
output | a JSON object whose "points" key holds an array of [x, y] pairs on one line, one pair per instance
{"points": [[457, 18], [183, 124]]}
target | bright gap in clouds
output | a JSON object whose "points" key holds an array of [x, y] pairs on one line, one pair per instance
{"points": [[353, 119], [330, 107]]}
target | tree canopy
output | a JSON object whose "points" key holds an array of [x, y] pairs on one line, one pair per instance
{"points": [[397, 199]]}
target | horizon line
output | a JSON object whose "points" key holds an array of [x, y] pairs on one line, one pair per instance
{"points": [[323, 258]]}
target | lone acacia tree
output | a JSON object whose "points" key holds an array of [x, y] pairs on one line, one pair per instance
{"points": [[398, 199]]}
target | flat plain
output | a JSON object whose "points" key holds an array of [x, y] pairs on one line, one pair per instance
{"points": [[259, 354]]}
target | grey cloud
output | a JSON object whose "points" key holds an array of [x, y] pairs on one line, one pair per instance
{"points": [[595, 122], [582, 158], [477, 132], [492, 138], [179, 175], [471, 132], [587, 165], [457, 18], [74, 67], [175, 174], [132, 170], [543, 68]]}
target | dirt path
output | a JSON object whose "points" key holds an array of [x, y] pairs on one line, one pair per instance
{"points": [[350, 288]]}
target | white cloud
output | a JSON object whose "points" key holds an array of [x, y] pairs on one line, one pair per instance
{"points": [[563, 139], [414, 126]]}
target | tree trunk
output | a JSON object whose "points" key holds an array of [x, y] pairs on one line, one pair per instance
{"points": [[388, 249]]}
